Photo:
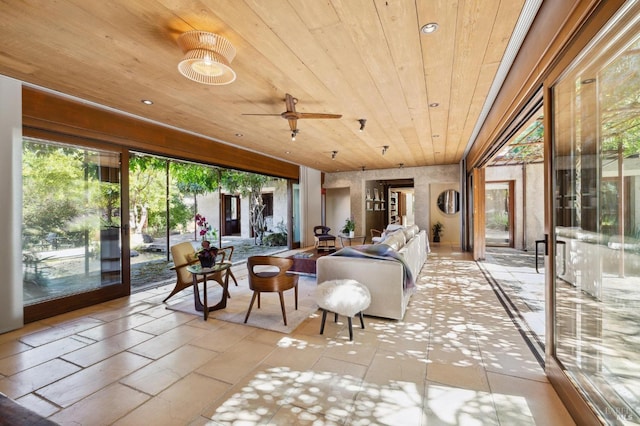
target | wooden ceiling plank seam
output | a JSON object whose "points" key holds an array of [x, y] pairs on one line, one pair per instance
{"points": [[439, 68], [354, 77], [364, 26], [400, 25], [466, 65]]}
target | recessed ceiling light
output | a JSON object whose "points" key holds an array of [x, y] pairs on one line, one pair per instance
{"points": [[429, 28], [434, 105], [147, 102]]}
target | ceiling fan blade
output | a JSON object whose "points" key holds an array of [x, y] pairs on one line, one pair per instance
{"points": [[262, 114], [317, 115], [290, 102], [293, 123]]}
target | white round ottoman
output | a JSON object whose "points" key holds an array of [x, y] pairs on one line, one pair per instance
{"points": [[342, 297]]}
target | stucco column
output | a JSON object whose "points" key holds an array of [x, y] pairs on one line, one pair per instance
{"points": [[11, 300]]}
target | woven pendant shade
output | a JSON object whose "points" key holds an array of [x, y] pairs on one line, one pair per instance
{"points": [[207, 58]]}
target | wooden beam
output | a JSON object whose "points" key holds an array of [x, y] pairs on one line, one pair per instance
{"points": [[46, 112]]}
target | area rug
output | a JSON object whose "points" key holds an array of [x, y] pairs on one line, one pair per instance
{"points": [[269, 316]]}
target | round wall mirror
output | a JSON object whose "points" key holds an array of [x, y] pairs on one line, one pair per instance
{"points": [[449, 201]]}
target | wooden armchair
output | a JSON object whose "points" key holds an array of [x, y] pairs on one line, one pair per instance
{"points": [[228, 254], [376, 235], [184, 255], [273, 278]]}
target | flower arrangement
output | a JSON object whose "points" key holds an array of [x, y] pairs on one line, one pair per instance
{"points": [[206, 231], [207, 254]]}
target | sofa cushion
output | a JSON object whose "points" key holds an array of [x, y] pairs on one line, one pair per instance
{"points": [[410, 231], [395, 240]]}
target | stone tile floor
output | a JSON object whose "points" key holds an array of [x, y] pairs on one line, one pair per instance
{"points": [[456, 358]]}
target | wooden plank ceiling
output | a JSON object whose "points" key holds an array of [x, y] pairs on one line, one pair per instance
{"points": [[359, 58]]}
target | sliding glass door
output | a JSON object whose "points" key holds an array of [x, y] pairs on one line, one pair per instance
{"points": [[72, 223], [596, 220]]}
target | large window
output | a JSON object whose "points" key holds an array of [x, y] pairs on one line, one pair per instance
{"points": [[174, 201], [596, 139], [73, 226]]}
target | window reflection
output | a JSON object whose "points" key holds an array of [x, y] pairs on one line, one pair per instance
{"points": [[597, 216], [71, 220]]}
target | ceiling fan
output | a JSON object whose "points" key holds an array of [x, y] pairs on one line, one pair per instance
{"points": [[292, 116]]}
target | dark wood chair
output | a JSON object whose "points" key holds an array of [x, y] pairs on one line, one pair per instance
{"points": [[268, 274], [323, 239]]}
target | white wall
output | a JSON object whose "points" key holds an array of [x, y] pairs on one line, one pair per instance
{"points": [[279, 189], [310, 204], [450, 222], [11, 301], [338, 208], [422, 177]]}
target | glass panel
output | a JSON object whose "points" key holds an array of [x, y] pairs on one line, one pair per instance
{"points": [[497, 214], [175, 201], [597, 220], [149, 217], [71, 220]]}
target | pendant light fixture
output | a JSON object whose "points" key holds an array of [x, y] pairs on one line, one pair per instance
{"points": [[207, 58]]}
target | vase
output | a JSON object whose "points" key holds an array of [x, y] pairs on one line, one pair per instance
{"points": [[352, 234], [206, 261]]}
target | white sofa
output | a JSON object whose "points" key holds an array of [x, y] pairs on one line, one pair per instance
{"points": [[385, 278]]}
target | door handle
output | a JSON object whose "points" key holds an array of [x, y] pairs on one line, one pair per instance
{"points": [[546, 248]]}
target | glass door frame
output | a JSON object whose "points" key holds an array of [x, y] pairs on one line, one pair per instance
{"points": [[567, 390], [72, 302]]}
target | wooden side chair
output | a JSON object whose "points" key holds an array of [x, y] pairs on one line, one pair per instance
{"points": [[269, 274], [376, 235], [184, 254], [323, 239]]}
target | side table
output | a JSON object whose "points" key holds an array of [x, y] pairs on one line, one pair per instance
{"points": [[215, 272], [349, 239]]}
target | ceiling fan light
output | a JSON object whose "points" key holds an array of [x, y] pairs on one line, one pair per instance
{"points": [[207, 58]]}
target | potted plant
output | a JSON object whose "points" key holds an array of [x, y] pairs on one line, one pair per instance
{"points": [[207, 254], [437, 230], [349, 227]]}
